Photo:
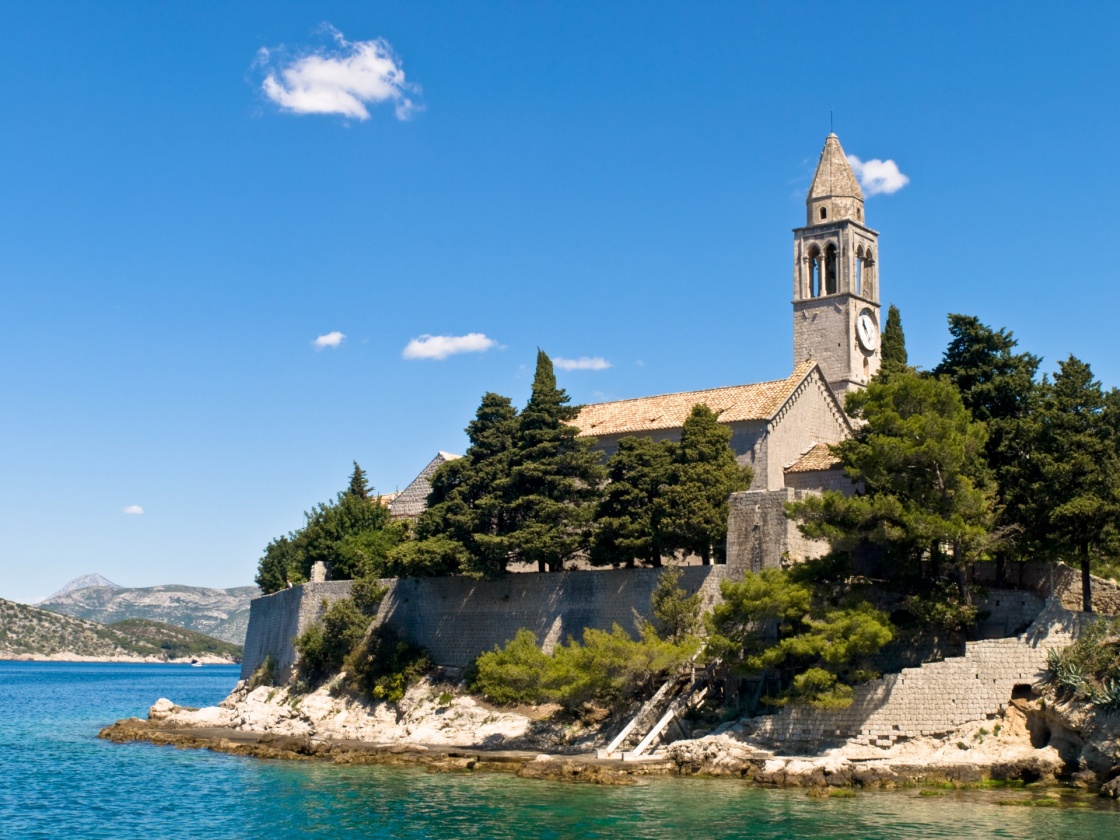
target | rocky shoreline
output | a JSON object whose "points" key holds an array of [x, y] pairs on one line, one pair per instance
{"points": [[443, 731]]}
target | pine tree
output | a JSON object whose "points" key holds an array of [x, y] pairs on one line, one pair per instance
{"points": [[1076, 495], [997, 386], [358, 485], [893, 346], [554, 478], [624, 531], [926, 494], [691, 513]]}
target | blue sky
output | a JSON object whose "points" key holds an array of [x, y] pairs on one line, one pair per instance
{"points": [[614, 182]]}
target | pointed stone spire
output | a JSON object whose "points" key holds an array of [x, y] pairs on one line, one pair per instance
{"points": [[835, 194]]}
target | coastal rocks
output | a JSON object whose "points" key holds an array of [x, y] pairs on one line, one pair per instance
{"points": [[574, 770]]}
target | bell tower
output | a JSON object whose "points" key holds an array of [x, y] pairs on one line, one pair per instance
{"points": [[836, 278]]}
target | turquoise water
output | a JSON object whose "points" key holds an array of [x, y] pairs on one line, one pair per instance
{"points": [[58, 780]]}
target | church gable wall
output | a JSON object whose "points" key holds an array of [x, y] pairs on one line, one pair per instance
{"points": [[809, 416]]}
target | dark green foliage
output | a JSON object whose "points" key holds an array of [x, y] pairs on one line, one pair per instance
{"points": [[352, 535], [771, 622], [997, 386], [894, 358], [691, 511], [281, 564], [553, 480], [367, 595], [676, 614], [603, 668], [925, 493], [324, 645], [637, 474], [464, 528], [359, 486], [1089, 669], [1075, 495], [383, 665]]}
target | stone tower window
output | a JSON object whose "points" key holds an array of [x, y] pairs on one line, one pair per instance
{"points": [[830, 270], [814, 272], [824, 213], [859, 270], [859, 214]]}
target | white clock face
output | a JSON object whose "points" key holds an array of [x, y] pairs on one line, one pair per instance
{"points": [[867, 331]]}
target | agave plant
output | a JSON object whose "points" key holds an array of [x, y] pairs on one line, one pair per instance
{"points": [[1107, 695]]}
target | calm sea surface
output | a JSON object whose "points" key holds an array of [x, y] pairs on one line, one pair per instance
{"points": [[58, 780]]}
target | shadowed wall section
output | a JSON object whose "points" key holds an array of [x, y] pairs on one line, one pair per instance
{"points": [[456, 619]]}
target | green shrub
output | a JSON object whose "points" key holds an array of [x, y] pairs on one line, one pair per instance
{"points": [[323, 646], [604, 668], [513, 674], [384, 665], [265, 673]]}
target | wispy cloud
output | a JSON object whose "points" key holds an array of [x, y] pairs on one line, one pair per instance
{"points": [[442, 346], [133, 510], [342, 78], [582, 363], [331, 339], [878, 176]]}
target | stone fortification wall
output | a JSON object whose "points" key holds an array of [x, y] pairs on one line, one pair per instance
{"points": [[458, 618], [276, 619], [932, 699]]}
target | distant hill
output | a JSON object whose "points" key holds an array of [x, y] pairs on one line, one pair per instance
{"points": [[84, 582], [221, 613], [31, 633]]}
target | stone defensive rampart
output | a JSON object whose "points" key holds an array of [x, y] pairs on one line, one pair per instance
{"points": [[456, 619], [933, 699]]}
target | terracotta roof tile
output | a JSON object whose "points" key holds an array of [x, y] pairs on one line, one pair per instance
{"points": [[819, 457], [759, 401]]}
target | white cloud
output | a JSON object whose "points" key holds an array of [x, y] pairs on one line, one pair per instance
{"points": [[442, 346], [582, 363], [878, 176], [331, 339], [133, 510], [341, 79]]}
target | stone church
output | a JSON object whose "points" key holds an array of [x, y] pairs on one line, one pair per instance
{"points": [[780, 429]]}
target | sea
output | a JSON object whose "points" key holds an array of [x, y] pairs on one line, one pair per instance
{"points": [[57, 779]]}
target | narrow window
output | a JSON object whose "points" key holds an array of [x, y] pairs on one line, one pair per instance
{"points": [[859, 271], [824, 213], [830, 270]]}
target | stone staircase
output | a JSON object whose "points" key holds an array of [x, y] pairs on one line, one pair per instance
{"points": [[934, 698]]}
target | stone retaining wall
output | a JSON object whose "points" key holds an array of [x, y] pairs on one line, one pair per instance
{"points": [[933, 699], [458, 618]]}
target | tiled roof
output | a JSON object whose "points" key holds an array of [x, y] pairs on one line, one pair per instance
{"points": [[819, 457], [759, 401], [412, 500]]}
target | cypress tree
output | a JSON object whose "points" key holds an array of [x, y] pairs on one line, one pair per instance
{"points": [[1076, 495], [691, 513], [358, 485], [554, 478], [463, 529], [624, 531], [893, 347]]}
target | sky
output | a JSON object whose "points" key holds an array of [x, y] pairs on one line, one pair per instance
{"points": [[244, 245]]}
